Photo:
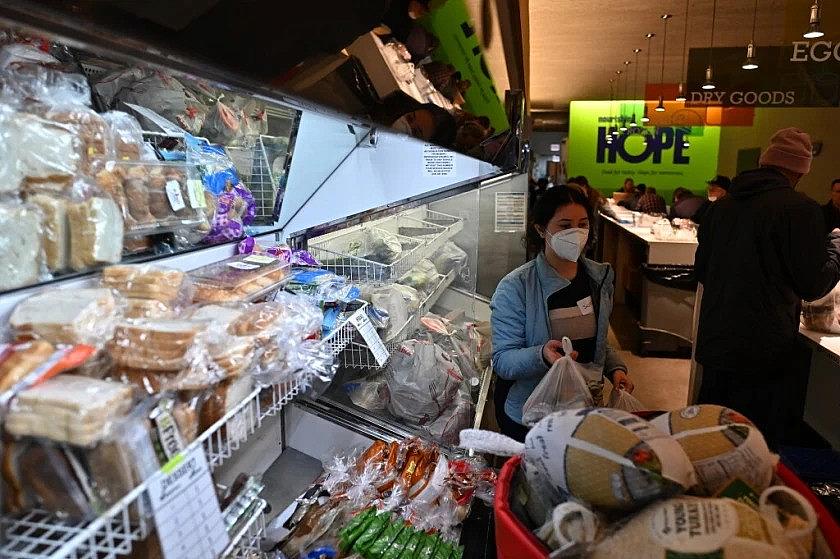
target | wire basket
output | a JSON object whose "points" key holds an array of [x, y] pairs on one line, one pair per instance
{"points": [[254, 165]]}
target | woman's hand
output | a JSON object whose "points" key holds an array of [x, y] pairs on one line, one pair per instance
{"points": [[621, 380], [553, 350]]}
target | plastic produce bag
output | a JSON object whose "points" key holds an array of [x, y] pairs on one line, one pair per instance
{"points": [[422, 380], [455, 418], [382, 246], [222, 125], [449, 257], [168, 97], [562, 388], [398, 301], [623, 400], [822, 315], [421, 277]]}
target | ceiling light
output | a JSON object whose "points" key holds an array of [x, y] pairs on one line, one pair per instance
{"points": [[681, 88], [686, 144], [633, 123], [708, 84], [660, 108], [623, 126], [614, 131], [814, 31], [750, 63], [645, 117]]}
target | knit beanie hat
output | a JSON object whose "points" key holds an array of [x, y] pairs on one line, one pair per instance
{"points": [[790, 148]]}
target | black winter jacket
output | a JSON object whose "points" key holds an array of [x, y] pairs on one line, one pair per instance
{"points": [[762, 249]]}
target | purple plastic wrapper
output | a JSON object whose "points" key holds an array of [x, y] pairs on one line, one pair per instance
{"points": [[250, 204], [246, 245], [227, 224], [283, 252]]}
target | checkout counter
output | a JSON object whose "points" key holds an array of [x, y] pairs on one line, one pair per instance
{"points": [[654, 277]]}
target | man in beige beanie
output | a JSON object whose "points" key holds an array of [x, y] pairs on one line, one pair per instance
{"points": [[762, 250]]}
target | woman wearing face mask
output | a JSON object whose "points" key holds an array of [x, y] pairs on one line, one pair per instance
{"points": [[559, 293]]}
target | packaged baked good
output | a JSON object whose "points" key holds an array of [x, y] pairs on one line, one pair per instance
{"points": [[69, 408], [68, 316], [238, 278], [222, 400], [148, 282], [21, 250], [127, 135], [96, 227], [10, 174], [56, 236], [49, 152], [92, 130], [21, 359]]}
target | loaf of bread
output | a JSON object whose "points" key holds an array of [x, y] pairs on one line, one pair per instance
{"points": [[69, 408], [223, 399], [96, 232], [145, 282], [127, 135], [111, 184], [47, 151], [56, 232], [50, 480], [67, 316], [159, 345], [146, 308], [21, 250], [92, 131], [10, 175], [24, 359]]}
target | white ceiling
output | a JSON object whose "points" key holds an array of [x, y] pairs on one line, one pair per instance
{"points": [[577, 45]]}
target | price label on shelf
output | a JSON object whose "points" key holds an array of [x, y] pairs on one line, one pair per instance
{"points": [[363, 324], [195, 191], [173, 192], [187, 515]]}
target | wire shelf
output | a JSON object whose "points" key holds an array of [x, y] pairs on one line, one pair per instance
{"points": [[247, 540], [353, 253], [357, 355], [254, 165]]}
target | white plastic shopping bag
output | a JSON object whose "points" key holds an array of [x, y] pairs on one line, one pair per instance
{"points": [[620, 399], [562, 388]]}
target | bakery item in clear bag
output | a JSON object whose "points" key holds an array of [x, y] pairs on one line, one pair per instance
{"points": [[21, 249], [55, 226], [96, 232]]}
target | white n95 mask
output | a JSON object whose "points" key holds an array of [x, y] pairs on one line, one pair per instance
{"points": [[569, 243]]}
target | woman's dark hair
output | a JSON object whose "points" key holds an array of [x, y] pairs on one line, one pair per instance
{"points": [[546, 206]]}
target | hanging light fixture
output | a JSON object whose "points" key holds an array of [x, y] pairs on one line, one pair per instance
{"points": [[681, 87], [814, 31], [750, 63], [708, 83], [633, 123], [661, 106], [623, 126], [645, 118], [611, 127], [618, 118]]}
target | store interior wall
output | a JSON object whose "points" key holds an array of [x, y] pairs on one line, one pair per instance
{"points": [[820, 123], [541, 148]]}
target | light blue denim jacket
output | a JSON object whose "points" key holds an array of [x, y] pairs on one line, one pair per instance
{"points": [[521, 326]]}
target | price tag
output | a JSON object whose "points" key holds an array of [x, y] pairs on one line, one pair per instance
{"points": [[187, 515], [374, 342], [195, 192], [173, 192], [259, 259], [243, 266]]}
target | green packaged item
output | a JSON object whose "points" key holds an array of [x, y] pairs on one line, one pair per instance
{"points": [[385, 539], [376, 527], [426, 550], [350, 533], [396, 548], [411, 545]]}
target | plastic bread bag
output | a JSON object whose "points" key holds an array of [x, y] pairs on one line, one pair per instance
{"points": [[10, 172], [449, 257], [823, 315], [22, 256], [68, 316], [304, 362], [609, 459], [16, 54], [722, 528], [70, 409], [422, 277], [96, 227], [422, 380], [127, 136], [288, 315], [623, 400], [152, 291], [295, 257], [381, 246], [235, 208], [44, 476], [562, 388]]}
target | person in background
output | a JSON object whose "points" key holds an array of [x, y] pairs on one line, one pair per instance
{"points": [[633, 201], [597, 202], [651, 203], [831, 210], [718, 187], [427, 122], [762, 250], [687, 205], [559, 293], [629, 187]]}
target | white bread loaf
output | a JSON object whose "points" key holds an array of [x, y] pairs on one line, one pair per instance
{"points": [[56, 232], [96, 233], [20, 250], [71, 316]]}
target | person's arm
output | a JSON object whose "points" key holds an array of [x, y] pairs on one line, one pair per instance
{"points": [[512, 358], [813, 261]]}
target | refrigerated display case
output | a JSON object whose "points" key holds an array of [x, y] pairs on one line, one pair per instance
{"points": [[325, 184]]}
